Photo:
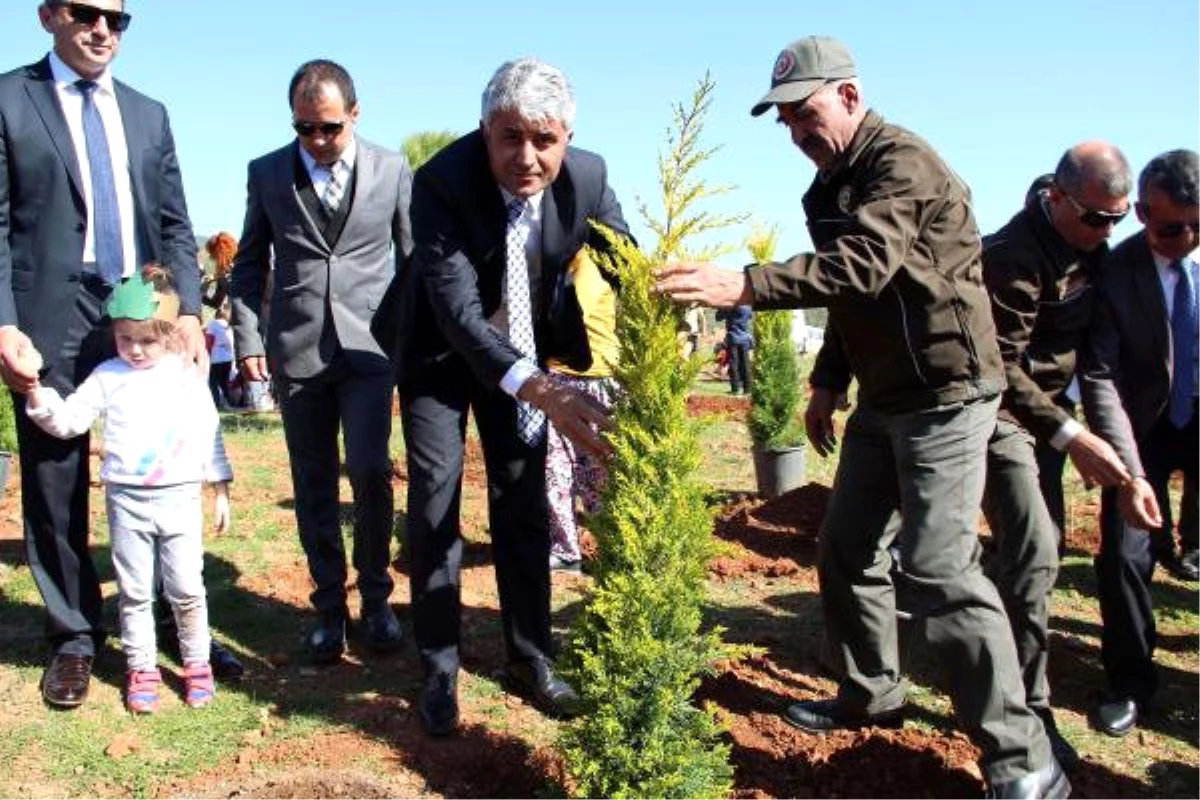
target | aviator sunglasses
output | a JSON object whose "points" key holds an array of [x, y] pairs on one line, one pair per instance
{"points": [[83, 14], [1096, 219], [327, 129]]}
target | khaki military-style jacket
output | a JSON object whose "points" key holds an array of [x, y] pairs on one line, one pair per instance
{"points": [[897, 262]]}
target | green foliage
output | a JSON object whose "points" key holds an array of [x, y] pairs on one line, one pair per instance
{"points": [[424, 145], [638, 649], [775, 373], [8, 423]]}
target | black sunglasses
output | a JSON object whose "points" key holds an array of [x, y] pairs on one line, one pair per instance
{"points": [[1096, 219], [1172, 230], [327, 129], [83, 14]]}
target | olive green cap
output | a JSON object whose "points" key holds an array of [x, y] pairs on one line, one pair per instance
{"points": [[804, 66]]}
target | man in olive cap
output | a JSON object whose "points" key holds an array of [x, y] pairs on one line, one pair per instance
{"points": [[897, 263]]}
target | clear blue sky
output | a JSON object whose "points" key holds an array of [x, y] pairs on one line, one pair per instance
{"points": [[999, 88]]}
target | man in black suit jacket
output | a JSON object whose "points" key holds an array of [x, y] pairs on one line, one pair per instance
{"points": [[1139, 393], [52, 296], [461, 348]]}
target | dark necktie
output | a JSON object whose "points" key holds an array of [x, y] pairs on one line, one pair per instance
{"points": [[1185, 330], [106, 213], [530, 422]]}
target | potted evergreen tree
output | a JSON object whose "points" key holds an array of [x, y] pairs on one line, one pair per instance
{"points": [[776, 429]]}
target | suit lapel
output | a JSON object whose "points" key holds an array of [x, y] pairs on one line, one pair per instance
{"points": [[365, 173], [289, 169], [44, 97], [558, 213], [1148, 289]]}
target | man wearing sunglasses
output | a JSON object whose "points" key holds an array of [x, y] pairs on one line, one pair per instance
{"points": [[1139, 390], [327, 215], [1040, 269], [90, 191]]}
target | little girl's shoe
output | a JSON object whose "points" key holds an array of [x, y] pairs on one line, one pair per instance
{"points": [[199, 687], [141, 691]]}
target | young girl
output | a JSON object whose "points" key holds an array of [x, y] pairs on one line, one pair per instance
{"points": [[162, 438]]}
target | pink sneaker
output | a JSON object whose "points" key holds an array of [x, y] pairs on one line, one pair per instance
{"points": [[141, 691], [199, 687]]}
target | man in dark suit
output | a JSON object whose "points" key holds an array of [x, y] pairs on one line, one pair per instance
{"points": [[328, 213], [497, 217], [90, 190], [1139, 392]]}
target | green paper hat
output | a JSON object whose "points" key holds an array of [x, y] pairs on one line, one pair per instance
{"points": [[136, 298]]}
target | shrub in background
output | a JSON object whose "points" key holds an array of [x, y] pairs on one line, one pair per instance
{"points": [[8, 422], [774, 420], [638, 649]]}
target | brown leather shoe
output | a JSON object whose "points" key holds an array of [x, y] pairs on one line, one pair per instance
{"points": [[65, 681]]}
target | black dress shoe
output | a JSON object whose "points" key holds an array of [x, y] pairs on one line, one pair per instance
{"points": [[225, 665], [1049, 781], [1116, 716], [66, 679], [1066, 755], [438, 706], [536, 680], [381, 629], [1188, 565], [327, 641], [822, 716]]}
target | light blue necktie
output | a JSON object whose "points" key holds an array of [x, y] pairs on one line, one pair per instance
{"points": [[106, 213], [1185, 330], [531, 423]]}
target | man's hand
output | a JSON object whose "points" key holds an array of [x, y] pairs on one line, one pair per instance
{"points": [[703, 283], [19, 360], [254, 368], [576, 415], [194, 350], [818, 420], [1138, 505], [221, 507], [1095, 460]]}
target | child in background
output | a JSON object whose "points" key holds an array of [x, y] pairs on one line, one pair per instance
{"points": [[162, 438], [220, 360]]}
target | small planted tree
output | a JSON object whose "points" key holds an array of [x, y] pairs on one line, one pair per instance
{"points": [[774, 420], [639, 648], [424, 145]]}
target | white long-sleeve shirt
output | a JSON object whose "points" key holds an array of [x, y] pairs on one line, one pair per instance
{"points": [[160, 425]]}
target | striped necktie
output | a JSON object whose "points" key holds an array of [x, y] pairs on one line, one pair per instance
{"points": [[531, 423], [106, 213], [336, 187]]}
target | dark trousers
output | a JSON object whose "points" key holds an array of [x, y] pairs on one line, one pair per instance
{"points": [[739, 366], [218, 382], [313, 410], [1127, 559], [434, 413], [55, 480], [1025, 564]]}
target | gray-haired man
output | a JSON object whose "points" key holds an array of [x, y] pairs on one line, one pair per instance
{"points": [[497, 217]]}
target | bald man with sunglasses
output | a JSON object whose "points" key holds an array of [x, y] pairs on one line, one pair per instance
{"points": [[1040, 270]]}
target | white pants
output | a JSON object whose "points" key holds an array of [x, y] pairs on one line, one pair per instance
{"points": [[159, 527]]}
